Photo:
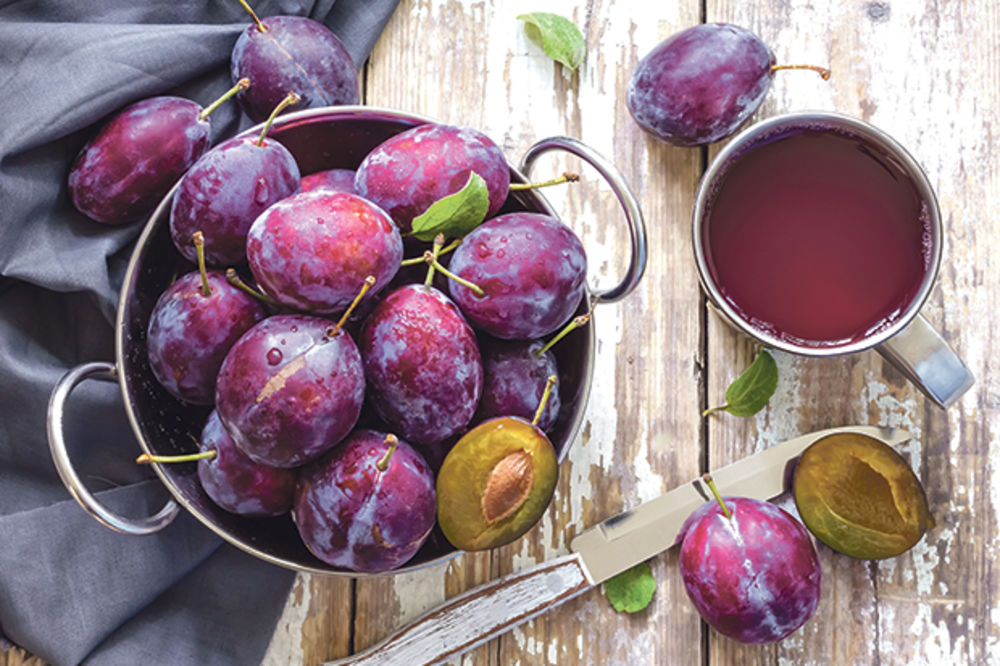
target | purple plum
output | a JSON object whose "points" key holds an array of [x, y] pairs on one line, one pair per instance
{"points": [[336, 180], [514, 378], [189, 333], [285, 54], [368, 505], [314, 250], [755, 576], [422, 364], [700, 84], [128, 167], [408, 172], [290, 389], [238, 484], [533, 269], [225, 191]]}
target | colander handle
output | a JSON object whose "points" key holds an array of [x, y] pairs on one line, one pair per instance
{"points": [[630, 205], [70, 479]]}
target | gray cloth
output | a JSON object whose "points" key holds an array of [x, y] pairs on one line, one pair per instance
{"points": [[72, 591]]}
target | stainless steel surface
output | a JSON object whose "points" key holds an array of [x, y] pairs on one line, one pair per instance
{"points": [[630, 205], [72, 481], [635, 535], [928, 361], [771, 127]]}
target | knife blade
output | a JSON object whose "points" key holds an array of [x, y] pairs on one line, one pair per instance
{"points": [[598, 553]]}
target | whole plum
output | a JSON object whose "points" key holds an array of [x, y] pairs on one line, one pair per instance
{"points": [[700, 84], [368, 505], [292, 53], [225, 191], [409, 171], [514, 379], [136, 157], [336, 180], [422, 364], [288, 392], [190, 333], [313, 251], [532, 268], [238, 484], [754, 576]]}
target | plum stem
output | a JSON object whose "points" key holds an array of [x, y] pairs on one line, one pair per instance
{"points": [[291, 98], [199, 248], [260, 26], [707, 478], [233, 278], [435, 253], [567, 177], [822, 71], [383, 462], [549, 383], [369, 283], [240, 86], [576, 323], [146, 458], [429, 258], [420, 260]]}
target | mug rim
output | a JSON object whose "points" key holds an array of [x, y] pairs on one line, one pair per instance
{"points": [[745, 141]]}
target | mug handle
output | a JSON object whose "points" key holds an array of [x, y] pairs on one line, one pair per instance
{"points": [[70, 479], [920, 353], [630, 205]]}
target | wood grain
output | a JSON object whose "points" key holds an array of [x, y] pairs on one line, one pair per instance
{"points": [[928, 73]]}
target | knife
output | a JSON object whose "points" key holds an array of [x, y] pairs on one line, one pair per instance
{"points": [[598, 553]]}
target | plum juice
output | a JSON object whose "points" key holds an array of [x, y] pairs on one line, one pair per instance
{"points": [[817, 239]]}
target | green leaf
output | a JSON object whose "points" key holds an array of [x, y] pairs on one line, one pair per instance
{"points": [[631, 590], [750, 392], [456, 214], [562, 41]]}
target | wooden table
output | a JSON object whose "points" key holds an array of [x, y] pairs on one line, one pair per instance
{"points": [[927, 72]]}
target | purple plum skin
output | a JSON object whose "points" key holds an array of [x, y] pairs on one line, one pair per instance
{"points": [[408, 172], [225, 191], [314, 250], [335, 180], [422, 364], [297, 54], [352, 515], [189, 334], [287, 393], [128, 167], [238, 484], [755, 577], [700, 84], [514, 380], [533, 269]]}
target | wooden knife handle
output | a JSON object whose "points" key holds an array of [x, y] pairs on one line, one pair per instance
{"points": [[479, 614]]}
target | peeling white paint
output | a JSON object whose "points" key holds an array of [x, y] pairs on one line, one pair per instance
{"points": [[286, 643]]}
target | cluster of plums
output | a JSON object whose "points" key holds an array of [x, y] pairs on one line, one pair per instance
{"points": [[331, 396]]}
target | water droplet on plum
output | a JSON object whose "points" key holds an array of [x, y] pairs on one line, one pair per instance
{"points": [[274, 355]]}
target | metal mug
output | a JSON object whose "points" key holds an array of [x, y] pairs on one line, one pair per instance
{"points": [[909, 342]]}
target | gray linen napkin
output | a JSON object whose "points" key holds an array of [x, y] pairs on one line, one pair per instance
{"points": [[72, 591]]}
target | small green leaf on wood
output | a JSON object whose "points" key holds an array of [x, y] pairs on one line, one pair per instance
{"points": [[750, 392], [456, 214], [561, 40], [631, 590]]}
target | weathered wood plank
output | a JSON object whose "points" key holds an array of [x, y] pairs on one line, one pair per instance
{"points": [[927, 74]]}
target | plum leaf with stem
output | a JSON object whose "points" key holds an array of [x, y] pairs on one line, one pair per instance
{"points": [[558, 36], [456, 214], [750, 392]]}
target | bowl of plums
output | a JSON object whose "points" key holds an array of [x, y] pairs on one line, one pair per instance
{"points": [[356, 341]]}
